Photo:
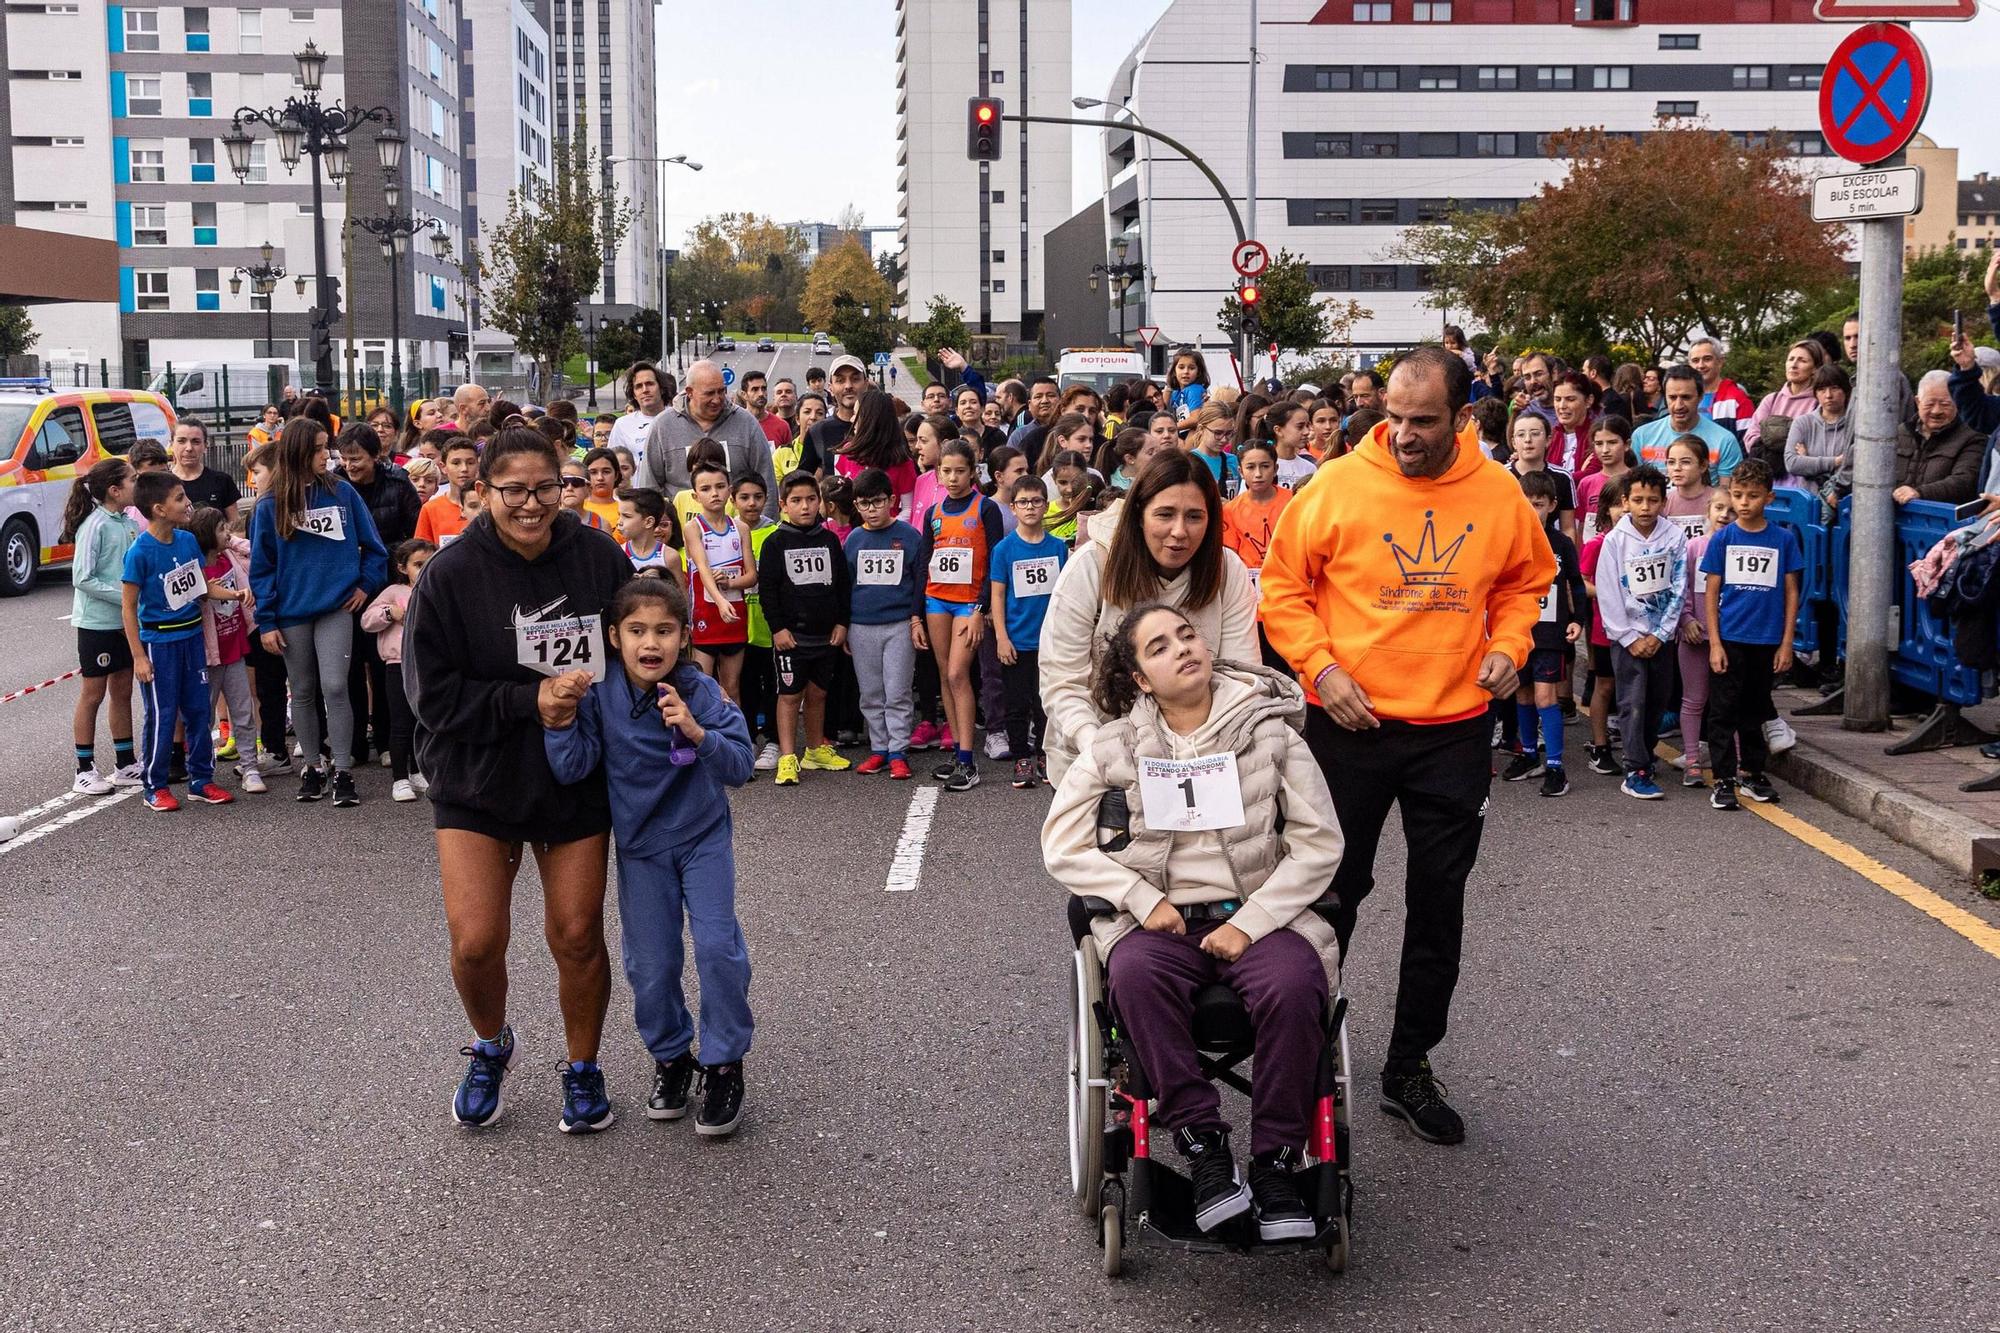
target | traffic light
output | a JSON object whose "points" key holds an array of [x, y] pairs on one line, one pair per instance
{"points": [[1250, 297], [982, 128]]}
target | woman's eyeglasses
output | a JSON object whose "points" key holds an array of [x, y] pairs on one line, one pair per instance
{"points": [[516, 497]]}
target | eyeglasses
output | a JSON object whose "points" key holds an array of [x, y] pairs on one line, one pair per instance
{"points": [[872, 501], [516, 497], [578, 482]]}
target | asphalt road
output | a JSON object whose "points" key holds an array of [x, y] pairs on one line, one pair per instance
{"points": [[1714, 1080]]}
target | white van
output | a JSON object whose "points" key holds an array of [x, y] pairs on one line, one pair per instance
{"points": [[1099, 367], [205, 388]]}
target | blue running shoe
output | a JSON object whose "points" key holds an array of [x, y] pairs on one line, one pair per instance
{"points": [[585, 1107], [478, 1102], [1641, 786]]}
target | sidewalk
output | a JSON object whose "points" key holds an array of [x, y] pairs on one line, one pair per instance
{"points": [[1914, 798]]}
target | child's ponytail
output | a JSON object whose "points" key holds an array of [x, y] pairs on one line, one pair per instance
{"points": [[88, 493]]}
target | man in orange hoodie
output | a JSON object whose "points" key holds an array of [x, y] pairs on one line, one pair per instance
{"points": [[1403, 585]]}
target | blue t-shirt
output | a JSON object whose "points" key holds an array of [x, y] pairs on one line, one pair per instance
{"points": [[1754, 567], [1028, 572], [1220, 466], [171, 586]]}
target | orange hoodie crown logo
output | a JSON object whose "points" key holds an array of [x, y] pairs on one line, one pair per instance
{"points": [[1429, 563]]}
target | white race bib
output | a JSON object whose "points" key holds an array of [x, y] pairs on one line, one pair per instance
{"points": [[728, 594], [552, 647], [810, 565], [1184, 795], [1694, 525], [952, 566], [445, 539], [1751, 567], [1256, 578], [1647, 574], [183, 584], [879, 569], [1549, 604], [328, 521], [1037, 577]]}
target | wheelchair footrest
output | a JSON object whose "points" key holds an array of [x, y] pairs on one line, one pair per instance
{"points": [[1160, 1206]]}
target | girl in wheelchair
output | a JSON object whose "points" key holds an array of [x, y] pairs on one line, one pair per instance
{"points": [[1225, 838]]}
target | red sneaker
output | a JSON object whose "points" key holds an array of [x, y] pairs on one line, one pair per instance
{"points": [[899, 769], [874, 763], [208, 793], [924, 737], [945, 741], [162, 801]]}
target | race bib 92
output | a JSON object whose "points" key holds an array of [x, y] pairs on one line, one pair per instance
{"points": [[327, 521]]}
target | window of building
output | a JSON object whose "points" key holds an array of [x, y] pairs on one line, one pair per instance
{"points": [[1380, 78], [258, 174], [142, 30], [999, 284], [998, 76], [1333, 145], [1371, 11], [208, 289], [1380, 145], [1375, 278], [999, 256], [1332, 213], [71, 206], [1331, 79], [1375, 212], [1664, 109], [204, 224], [1431, 11], [437, 119], [61, 7], [301, 14], [437, 292], [142, 95], [1555, 76], [1498, 77], [66, 141], [194, 21], [149, 224], [1750, 76], [1437, 78], [1495, 145], [1330, 277], [1611, 76], [1443, 144], [149, 161], [1433, 210], [1603, 11], [1806, 143], [201, 94], [1680, 41], [250, 31], [1803, 76], [434, 176]]}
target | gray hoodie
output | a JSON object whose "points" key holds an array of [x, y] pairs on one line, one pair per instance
{"points": [[674, 432]]}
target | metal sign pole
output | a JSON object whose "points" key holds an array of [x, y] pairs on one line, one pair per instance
{"points": [[1872, 576]]}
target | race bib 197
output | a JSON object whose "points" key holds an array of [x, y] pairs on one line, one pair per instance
{"points": [[879, 569], [1751, 567], [952, 565], [182, 584], [810, 565], [552, 647], [1647, 574], [1035, 578], [1184, 795], [327, 521]]}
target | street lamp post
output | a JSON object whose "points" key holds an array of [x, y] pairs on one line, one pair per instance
{"points": [[263, 277], [659, 215], [305, 125], [1121, 276], [588, 321], [394, 231]]}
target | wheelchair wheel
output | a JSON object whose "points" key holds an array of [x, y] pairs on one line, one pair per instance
{"points": [[1336, 1248], [1111, 1234], [1086, 1074]]}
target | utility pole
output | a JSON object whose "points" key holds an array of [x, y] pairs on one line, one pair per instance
{"points": [[1250, 144], [1871, 573]]}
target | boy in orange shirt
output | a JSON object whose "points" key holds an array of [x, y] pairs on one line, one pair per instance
{"points": [[443, 516]]}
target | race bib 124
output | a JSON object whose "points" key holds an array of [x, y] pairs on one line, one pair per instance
{"points": [[553, 647]]}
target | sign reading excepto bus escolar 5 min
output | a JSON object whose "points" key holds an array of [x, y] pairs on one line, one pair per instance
{"points": [[1893, 192]]}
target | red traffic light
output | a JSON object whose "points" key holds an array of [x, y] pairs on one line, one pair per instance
{"points": [[986, 112], [982, 129], [1248, 294]]}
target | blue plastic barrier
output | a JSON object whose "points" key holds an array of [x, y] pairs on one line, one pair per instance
{"points": [[1923, 657], [1800, 512]]}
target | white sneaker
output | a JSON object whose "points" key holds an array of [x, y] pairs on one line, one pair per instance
{"points": [[92, 783], [1779, 736], [128, 776], [402, 791], [1679, 760], [767, 758], [421, 783], [387, 760], [253, 781], [996, 745]]}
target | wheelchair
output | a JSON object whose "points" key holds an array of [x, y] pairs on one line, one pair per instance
{"points": [[1127, 1192]]}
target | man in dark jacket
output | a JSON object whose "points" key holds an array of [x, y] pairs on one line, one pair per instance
{"points": [[1940, 459]]}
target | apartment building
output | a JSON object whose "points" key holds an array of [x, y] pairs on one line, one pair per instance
{"points": [[505, 109], [604, 90]]}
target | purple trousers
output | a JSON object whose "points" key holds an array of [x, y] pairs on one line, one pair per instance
{"points": [[1153, 979]]}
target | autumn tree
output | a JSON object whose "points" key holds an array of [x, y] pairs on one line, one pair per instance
{"points": [[750, 268], [1290, 311], [1645, 241], [844, 270], [536, 269], [943, 326]]}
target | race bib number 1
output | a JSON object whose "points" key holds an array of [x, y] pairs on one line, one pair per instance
{"points": [[1035, 578], [814, 566], [1752, 567], [327, 521], [879, 569], [952, 566], [1647, 574], [1185, 795], [182, 584], [553, 647]]}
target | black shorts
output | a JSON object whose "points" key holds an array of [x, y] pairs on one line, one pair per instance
{"points": [[1600, 659], [722, 650], [102, 652], [540, 833], [1548, 666], [807, 664]]}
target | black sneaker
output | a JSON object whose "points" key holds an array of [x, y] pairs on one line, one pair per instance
{"points": [[1281, 1212], [344, 794], [963, 778], [312, 785], [1758, 788], [1219, 1191], [945, 771], [1554, 781], [1042, 767], [1568, 709], [1024, 774], [1602, 761], [1417, 1097], [670, 1087], [721, 1101], [1723, 796], [1524, 765]]}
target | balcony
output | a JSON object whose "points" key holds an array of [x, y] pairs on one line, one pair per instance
{"points": [[202, 173], [198, 41], [201, 106], [204, 236], [207, 300]]}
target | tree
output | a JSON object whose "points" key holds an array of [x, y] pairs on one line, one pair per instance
{"points": [[1645, 241], [890, 265], [844, 271], [943, 326], [546, 258], [17, 331], [752, 269], [1290, 311], [861, 334]]}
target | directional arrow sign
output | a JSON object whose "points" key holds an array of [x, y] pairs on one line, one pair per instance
{"points": [[1874, 92]]}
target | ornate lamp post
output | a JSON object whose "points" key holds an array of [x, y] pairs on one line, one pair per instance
{"points": [[263, 277], [1121, 274], [394, 231]]}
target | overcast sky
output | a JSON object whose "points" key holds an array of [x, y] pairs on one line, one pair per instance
{"points": [[791, 108]]}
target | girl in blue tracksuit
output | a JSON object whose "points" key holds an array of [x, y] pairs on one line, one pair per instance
{"points": [[315, 559], [670, 742]]}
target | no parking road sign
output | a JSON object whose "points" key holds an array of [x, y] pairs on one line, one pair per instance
{"points": [[1874, 92]]}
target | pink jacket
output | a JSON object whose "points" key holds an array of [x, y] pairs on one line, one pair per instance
{"points": [[238, 552], [387, 629]]}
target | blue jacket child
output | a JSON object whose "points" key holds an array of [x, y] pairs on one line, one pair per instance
{"points": [[676, 857]]}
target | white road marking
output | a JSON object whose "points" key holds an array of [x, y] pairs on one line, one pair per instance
{"points": [[908, 865], [75, 816], [34, 812]]}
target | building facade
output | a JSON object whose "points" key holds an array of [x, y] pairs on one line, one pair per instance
{"points": [[603, 63], [1372, 116], [1979, 213], [505, 109], [973, 231]]}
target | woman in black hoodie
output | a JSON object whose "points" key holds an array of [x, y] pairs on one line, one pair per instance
{"points": [[496, 626]]}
